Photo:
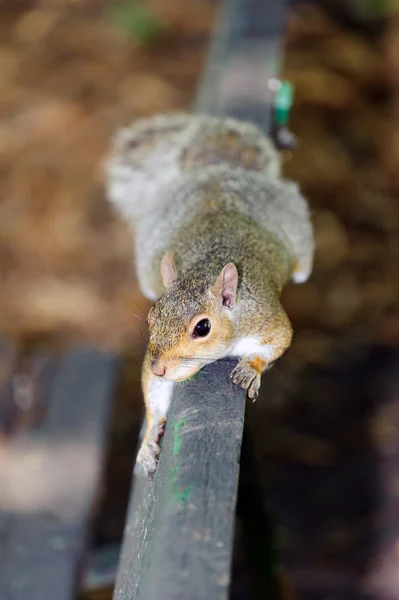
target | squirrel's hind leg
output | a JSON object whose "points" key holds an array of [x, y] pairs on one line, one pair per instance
{"points": [[157, 395], [144, 160]]}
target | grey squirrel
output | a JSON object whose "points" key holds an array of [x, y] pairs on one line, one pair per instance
{"points": [[218, 233]]}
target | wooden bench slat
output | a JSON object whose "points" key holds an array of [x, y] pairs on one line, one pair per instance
{"points": [[178, 541], [50, 474], [8, 359], [244, 55]]}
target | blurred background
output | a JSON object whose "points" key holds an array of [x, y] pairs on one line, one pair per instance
{"points": [[326, 429]]}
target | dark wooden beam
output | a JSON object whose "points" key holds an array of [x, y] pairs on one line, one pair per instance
{"points": [[244, 56], [179, 531], [50, 465]]}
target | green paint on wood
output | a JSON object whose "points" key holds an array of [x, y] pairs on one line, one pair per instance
{"points": [[179, 495], [176, 435]]}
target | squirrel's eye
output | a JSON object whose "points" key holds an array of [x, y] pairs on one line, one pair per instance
{"points": [[202, 328]]}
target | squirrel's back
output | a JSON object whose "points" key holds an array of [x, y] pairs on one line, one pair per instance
{"points": [[156, 152], [168, 171]]}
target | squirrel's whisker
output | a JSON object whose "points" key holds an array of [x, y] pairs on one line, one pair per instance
{"points": [[197, 359], [134, 314]]}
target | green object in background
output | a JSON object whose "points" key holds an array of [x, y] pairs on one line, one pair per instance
{"points": [[370, 8], [283, 103], [135, 19]]}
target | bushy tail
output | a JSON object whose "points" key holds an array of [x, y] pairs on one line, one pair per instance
{"points": [[143, 161]]}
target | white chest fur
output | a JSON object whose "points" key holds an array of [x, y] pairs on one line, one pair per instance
{"points": [[249, 346], [159, 395]]}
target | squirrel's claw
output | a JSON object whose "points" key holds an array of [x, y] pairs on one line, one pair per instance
{"points": [[147, 457], [245, 376], [160, 432], [253, 390]]}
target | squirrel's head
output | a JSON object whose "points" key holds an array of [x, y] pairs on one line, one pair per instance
{"points": [[192, 324]]}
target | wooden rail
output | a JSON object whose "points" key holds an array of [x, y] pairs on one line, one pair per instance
{"points": [[179, 531], [54, 412]]}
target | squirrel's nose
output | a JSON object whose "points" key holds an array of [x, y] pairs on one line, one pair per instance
{"points": [[157, 367]]}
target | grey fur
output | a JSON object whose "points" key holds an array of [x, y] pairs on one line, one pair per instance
{"points": [[159, 195]]}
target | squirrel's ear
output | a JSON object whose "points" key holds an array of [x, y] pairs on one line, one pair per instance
{"points": [[226, 285], [168, 270]]}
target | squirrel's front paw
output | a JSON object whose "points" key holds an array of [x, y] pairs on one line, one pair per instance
{"points": [[147, 457], [246, 377]]}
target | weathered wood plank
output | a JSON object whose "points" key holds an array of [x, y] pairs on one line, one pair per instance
{"points": [[244, 56], [8, 359], [49, 477], [25, 394], [179, 535]]}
